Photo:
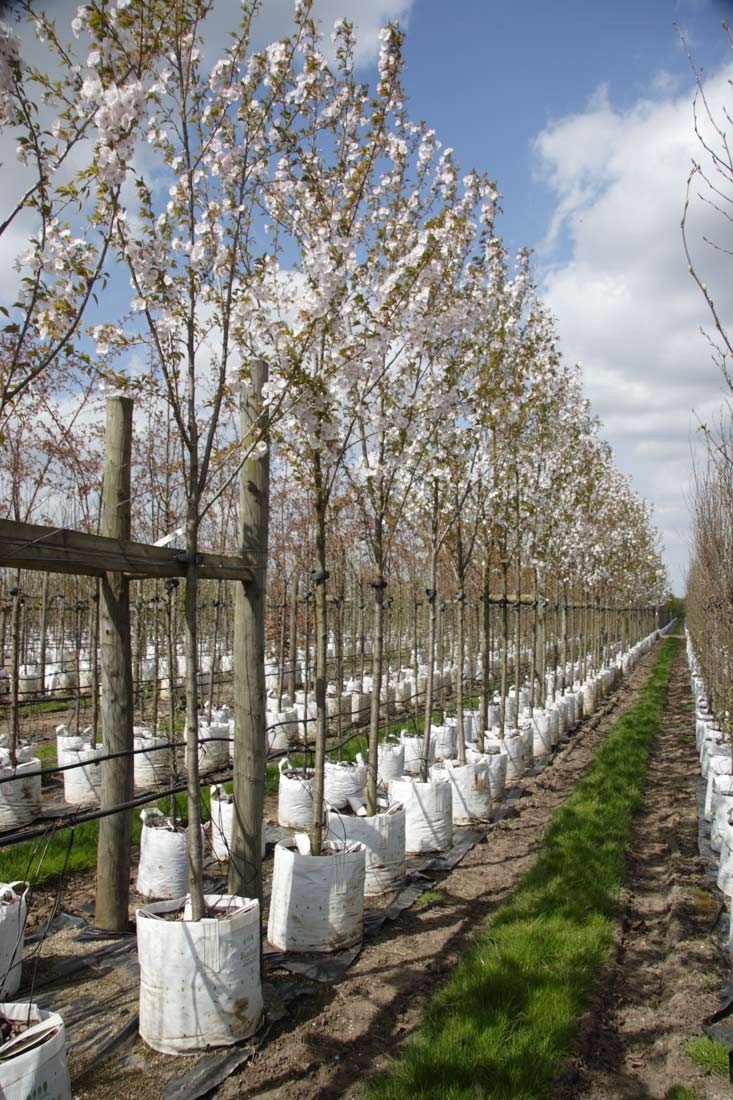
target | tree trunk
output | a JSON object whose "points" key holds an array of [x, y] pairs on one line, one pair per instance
{"points": [[432, 602], [113, 848], [377, 671], [319, 580], [250, 736], [486, 651]]}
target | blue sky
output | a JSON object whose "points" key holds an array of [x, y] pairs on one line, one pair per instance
{"points": [[582, 114]]}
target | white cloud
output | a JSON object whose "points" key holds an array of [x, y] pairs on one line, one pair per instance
{"points": [[368, 17], [616, 277]]}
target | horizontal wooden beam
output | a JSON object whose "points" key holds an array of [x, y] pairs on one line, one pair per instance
{"points": [[59, 550]]}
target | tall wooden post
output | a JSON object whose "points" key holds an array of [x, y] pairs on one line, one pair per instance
{"points": [[245, 856], [113, 849]]}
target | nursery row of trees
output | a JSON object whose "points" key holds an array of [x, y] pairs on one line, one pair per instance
{"points": [[709, 600], [309, 273]]}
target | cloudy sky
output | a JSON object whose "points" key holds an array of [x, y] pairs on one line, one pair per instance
{"points": [[582, 114]]}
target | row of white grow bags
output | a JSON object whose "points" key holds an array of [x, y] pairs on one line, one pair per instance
{"points": [[714, 751]]}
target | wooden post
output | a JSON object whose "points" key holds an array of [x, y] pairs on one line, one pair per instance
{"points": [[113, 849], [245, 856]]}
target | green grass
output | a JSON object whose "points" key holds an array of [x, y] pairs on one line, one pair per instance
{"points": [[679, 1092], [432, 897], [710, 1054], [502, 1026], [72, 848]]}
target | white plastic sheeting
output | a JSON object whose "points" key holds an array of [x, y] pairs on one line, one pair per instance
{"points": [[13, 912], [34, 1062], [317, 902], [428, 813], [383, 837], [199, 981]]}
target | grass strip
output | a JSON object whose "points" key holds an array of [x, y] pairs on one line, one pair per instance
{"points": [[501, 1027], [72, 847]]}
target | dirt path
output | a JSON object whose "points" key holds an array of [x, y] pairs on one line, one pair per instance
{"points": [[322, 1039], [666, 975]]}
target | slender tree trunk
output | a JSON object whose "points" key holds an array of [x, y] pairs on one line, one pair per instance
{"points": [[293, 644], [504, 644], [321, 576], [486, 650], [15, 642], [43, 630], [377, 672], [115, 831], [250, 735], [281, 649], [93, 656], [195, 844], [432, 601]]}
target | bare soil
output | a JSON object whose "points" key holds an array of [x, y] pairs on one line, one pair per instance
{"points": [[321, 1039]]}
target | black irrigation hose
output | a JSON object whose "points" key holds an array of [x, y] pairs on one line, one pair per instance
{"points": [[73, 818]]}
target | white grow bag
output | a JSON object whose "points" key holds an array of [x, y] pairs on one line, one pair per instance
{"points": [[496, 762], [39, 1068], [83, 783], [390, 761], [13, 912], [213, 745], [721, 829], [414, 752], [153, 766], [470, 790], [541, 736], [282, 728], [428, 813], [557, 724], [572, 709], [20, 793], [512, 746], [317, 902], [444, 741], [589, 698], [343, 780], [720, 783], [163, 868], [294, 797], [222, 821], [383, 837], [199, 980], [725, 870]]}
